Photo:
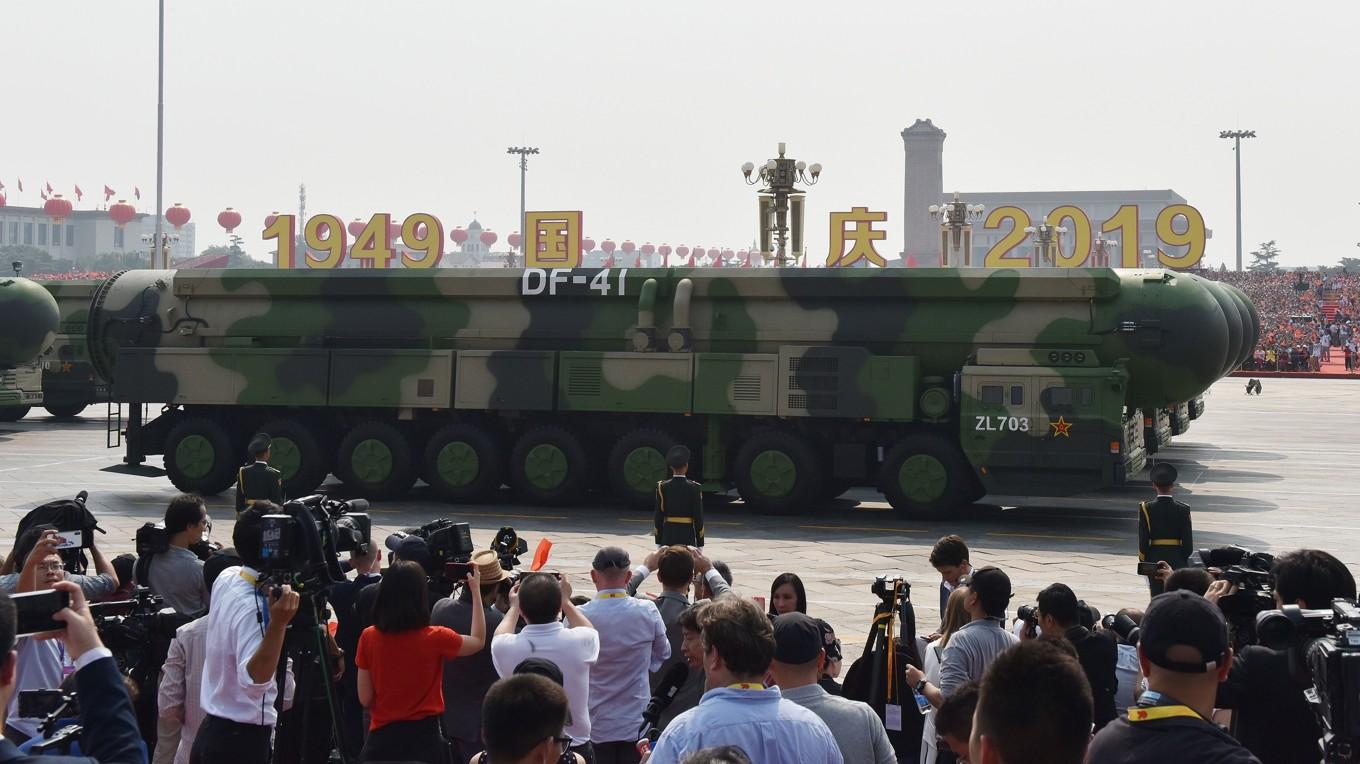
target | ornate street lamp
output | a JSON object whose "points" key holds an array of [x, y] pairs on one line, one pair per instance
{"points": [[956, 228], [1046, 240], [778, 198], [1102, 250]]}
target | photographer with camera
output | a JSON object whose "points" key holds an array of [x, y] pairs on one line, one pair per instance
{"points": [[109, 732], [99, 586], [1096, 651], [400, 666], [176, 573], [467, 680], [246, 628], [1271, 716]]}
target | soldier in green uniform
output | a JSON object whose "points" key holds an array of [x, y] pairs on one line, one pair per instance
{"points": [[1164, 526], [679, 504], [258, 481]]}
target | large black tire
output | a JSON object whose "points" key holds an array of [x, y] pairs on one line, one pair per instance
{"points": [[636, 463], [463, 463], [13, 413], [549, 466], [777, 473], [199, 457], [924, 475], [65, 411], [375, 460], [298, 455]]}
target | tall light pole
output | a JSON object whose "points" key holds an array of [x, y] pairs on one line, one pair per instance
{"points": [[160, 137], [1237, 136], [524, 152], [779, 176], [1047, 235]]}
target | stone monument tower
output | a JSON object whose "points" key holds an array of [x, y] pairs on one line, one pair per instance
{"points": [[923, 143]]}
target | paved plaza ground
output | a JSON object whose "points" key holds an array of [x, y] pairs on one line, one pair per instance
{"points": [[1272, 473]]}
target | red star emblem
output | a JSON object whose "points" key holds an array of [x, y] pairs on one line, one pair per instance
{"points": [[1061, 427], [1142, 715]]}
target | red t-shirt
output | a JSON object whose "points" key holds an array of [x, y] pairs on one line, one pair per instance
{"points": [[407, 670]]}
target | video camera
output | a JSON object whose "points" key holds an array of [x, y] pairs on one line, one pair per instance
{"points": [[128, 626], [1250, 572], [1324, 648], [1124, 626], [301, 546]]}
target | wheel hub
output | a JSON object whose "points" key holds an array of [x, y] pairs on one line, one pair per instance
{"points": [[458, 464], [643, 467], [922, 478], [195, 456], [773, 473], [371, 460], [285, 456], [545, 467]]}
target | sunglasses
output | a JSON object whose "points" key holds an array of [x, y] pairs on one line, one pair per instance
{"points": [[563, 742]]}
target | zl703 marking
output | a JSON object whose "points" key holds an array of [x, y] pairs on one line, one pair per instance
{"points": [[1002, 423]]}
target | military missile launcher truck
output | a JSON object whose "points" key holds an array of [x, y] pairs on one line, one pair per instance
{"points": [[935, 386], [69, 382], [28, 326]]}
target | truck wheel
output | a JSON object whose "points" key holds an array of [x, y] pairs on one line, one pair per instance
{"points": [[777, 473], [199, 457], [13, 413], [636, 463], [297, 455], [375, 459], [462, 463], [68, 411], [549, 466], [924, 475]]}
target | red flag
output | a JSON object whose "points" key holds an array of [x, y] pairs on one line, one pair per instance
{"points": [[637, 262], [43, 194], [21, 184], [79, 193], [49, 188], [137, 192], [541, 554], [108, 194]]}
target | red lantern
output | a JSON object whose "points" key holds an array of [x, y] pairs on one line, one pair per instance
{"points": [[648, 249], [698, 253], [727, 254], [514, 239], [587, 244], [681, 251], [628, 246], [608, 247], [178, 215], [270, 218], [122, 213], [355, 227], [488, 238], [458, 235], [228, 219], [2, 198], [57, 208]]}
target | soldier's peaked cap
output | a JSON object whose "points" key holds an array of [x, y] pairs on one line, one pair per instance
{"points": [[259, 443], [678, 456], [1163, 474]]}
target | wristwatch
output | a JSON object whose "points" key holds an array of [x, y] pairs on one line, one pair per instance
{"points": [[921, 686]]}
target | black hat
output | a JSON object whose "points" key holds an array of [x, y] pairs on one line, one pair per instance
{"points": [[611, 557], [1163, 474], [544, 668], [1184, 619], [259, 443], [412, 548], [797, 639], [829, 641], [677, 457]]}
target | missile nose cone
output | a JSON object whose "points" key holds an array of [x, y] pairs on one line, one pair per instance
{"points": [[1237, 327], [28, 321], [1174, 335]]}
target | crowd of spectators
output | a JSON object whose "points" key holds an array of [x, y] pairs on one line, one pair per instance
{"points": [[70, 276], [1307, 318], [510, 668]]}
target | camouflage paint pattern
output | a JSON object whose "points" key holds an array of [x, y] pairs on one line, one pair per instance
{"points": [[836, 359]]}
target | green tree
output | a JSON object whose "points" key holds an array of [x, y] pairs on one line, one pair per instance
{"points": [[1263, 259], [34, 260], [119, 261], [1350, 264]]}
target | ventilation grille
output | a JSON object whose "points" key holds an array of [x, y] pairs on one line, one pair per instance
{"points": [[815, 384], [815, 364], [584, 381], [746, 388], [812, 401]]}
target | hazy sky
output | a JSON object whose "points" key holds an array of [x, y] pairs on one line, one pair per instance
{"points": [[645, 111]]}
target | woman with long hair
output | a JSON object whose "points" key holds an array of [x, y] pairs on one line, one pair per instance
{"points": [[787, 595], [955, 616], [401, 666]]}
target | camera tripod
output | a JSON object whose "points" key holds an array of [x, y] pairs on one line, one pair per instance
{"points": [[878, 677], [309, 732]]}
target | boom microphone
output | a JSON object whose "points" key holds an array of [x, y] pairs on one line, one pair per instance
{"points": [[666, 690]]}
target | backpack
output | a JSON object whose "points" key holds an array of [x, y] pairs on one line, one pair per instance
{"points": [[65, 515]]}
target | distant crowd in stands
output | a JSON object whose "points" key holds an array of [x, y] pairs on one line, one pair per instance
{"points": [[70, 276], [1297, 334]]}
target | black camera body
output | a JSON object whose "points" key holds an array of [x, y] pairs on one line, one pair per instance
{"points": [[300, 545], [1324, 648], [508, 546], [891, 588], [1122, 625], [1250, 572]]}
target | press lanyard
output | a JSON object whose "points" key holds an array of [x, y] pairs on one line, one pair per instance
{"points": [[611, 595], [1152, 713], [254, 582], [746, 686]]}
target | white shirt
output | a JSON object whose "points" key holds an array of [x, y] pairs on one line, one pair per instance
{"points": [[573, 650], [632, 645], [236, 625]]}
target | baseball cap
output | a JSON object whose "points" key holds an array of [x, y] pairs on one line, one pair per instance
{"points": [[1184, 619], [412, 548], [797, 639], [611, 557]]}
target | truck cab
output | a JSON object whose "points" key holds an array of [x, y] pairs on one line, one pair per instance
{"points": [[1051, 428]]}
